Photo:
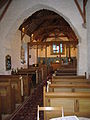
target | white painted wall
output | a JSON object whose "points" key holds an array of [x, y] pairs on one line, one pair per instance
{"points": [[15, 50], [33, 59], [21, 9], [82, 52], [88, 38]]}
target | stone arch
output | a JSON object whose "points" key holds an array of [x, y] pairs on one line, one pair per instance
{"points": [[32, 10]]}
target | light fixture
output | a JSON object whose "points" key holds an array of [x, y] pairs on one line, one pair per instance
{"points": [[32, 37], [23, 29]]}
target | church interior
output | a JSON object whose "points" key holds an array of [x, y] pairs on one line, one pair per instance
{"points": [[44, 60]]}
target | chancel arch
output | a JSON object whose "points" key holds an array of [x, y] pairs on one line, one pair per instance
{"points": [[52, 39], [24, 15]]}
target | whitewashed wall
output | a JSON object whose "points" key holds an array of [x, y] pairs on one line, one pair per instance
{"points": [[21, 9], [88, 38], [15, 50]]}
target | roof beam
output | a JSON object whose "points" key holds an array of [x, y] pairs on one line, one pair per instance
{"points": [[53, 36], [84, 10], [5, 9], [52, 42], [37, 19], [82, 13]]}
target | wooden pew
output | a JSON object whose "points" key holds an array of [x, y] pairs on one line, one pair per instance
{"points": [[50, 69], [27, 84], [68, 77], [70, 81], [27, 71], [74, 103], [7, 97], [26, 79], [15, 82], [69, 87], [33, 71], [40, 72], [44, 71], [66, 72]]}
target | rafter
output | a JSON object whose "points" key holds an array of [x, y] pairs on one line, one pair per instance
{"points": [[82, 13], [5, 9], [45, 22], [43, 31], [50, 28]]}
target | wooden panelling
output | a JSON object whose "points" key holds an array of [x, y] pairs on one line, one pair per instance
{"points": [[27, 81], [15, 83], [7, 97]]}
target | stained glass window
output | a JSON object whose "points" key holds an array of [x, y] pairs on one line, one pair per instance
{"points": [[58, 48]]}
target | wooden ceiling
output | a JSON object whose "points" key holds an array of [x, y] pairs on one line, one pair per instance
{"points": [[44, 22]]}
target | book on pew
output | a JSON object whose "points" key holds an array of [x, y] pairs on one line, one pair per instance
{"points": [[66, 118]]}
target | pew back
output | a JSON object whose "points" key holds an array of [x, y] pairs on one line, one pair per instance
{"points": [[32, 71], [83, 87], [29, 71], [69, 77], [77, 103], [27, 82], [70, 81], [15, 82], [7, 97]]}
